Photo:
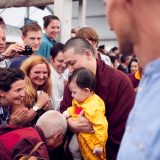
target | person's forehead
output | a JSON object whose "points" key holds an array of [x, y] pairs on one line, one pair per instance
{"points": [[39, 67], [54, 22], [18, 84], [70, 55], [60, 55], [34, 33]]}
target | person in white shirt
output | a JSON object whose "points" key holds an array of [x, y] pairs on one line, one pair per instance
{"points": [[58, 75]]}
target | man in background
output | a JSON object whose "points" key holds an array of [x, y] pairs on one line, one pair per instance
{"points": [[31, 37], [7, 53]]}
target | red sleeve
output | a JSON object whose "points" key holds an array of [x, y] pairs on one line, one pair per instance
{"points": [[67, 100]]}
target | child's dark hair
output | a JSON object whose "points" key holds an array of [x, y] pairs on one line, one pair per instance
{"points": [[84, 78]]}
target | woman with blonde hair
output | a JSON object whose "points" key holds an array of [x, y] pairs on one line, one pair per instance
{"points": [[36, 78], [37, 90]]}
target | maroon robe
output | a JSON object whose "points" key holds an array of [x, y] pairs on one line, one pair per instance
{"points": [[20, 142], [117, 91], [133, 79]]}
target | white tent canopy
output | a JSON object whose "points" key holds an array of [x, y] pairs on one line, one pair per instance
{"points": [[24, 3]]}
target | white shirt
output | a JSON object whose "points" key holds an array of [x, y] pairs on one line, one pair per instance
{"points": [[57, 88], [106, 59], [5, 63]]}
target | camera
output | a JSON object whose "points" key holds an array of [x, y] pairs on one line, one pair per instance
{"points": [[27, 51]]}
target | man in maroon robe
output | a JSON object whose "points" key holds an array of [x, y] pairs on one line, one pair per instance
{"points": [[113, 86]]}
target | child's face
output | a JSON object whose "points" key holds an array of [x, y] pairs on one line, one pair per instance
{"points": [[77, 93]]}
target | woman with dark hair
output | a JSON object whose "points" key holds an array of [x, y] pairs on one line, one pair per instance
{"points": [[135, 72], [133, 65], [11, 93], [52, 30]]}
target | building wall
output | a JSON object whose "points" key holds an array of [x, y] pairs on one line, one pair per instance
{"points": [[95, 18]]}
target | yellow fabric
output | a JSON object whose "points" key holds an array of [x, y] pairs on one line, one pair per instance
{"points": [[94, 108], [138, 75]]}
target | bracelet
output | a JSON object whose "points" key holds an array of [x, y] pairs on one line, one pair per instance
{"points": [[68, 117]]}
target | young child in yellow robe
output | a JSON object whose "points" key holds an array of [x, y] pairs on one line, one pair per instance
{"points": [[91, 146]]}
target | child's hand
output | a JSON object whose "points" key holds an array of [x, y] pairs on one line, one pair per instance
{"points": [[98, 150]]}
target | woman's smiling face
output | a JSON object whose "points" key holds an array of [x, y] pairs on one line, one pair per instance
{"points": [[38, 74]]}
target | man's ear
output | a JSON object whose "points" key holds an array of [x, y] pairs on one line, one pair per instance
{"points": [[1, 93], [87, 90], [88, 54], [57, 135]]}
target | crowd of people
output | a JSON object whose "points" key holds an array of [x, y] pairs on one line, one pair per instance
{"points": [[77, 100]]}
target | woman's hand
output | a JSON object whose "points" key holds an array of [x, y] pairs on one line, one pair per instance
{"points": [[18, 116], [42, 99]]}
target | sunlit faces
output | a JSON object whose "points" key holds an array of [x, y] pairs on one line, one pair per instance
{"points": [[33, 39], [53, 29], [58, 62], [134, 66], [38, 75], [74, 61], [2, 40], [16, 94], [77, 93]]}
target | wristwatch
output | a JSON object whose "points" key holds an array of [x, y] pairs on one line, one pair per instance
{"points": [[36, 108]]}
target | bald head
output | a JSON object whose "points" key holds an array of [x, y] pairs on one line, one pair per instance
{"points": [[52, 122]]}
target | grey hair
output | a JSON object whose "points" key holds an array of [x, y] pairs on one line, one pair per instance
{"points": [[51, 122]]}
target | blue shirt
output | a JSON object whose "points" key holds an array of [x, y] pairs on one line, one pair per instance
{"points": [[45, 47], [141, 140], [17, 61]]}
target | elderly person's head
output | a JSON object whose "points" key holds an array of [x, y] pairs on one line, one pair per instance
{"points": [[54, 126]]}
